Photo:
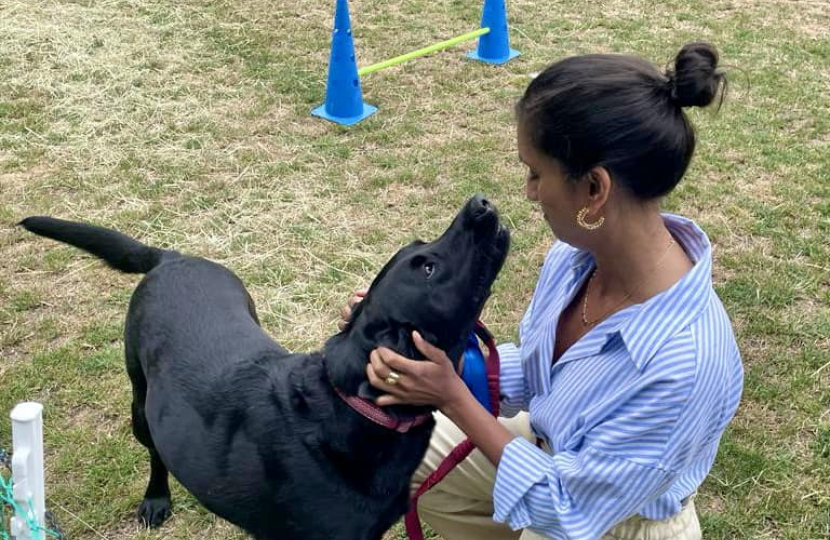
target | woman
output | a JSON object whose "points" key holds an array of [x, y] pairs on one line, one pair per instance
{"points": [[628, 367]]}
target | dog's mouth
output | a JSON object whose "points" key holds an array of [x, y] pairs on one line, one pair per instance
{"points": [[492, 241]]}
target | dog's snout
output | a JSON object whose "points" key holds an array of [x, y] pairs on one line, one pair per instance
{"points": [[480, 206]]}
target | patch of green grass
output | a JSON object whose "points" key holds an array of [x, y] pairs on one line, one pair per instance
{"points": [[25, 301], [100, 333], [399, 533], [21, 116], [821, 445]]}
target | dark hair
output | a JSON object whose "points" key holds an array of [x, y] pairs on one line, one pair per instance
{"points": [[621, 113]]}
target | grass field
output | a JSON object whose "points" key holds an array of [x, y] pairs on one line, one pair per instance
{"points": [[186, 124]]}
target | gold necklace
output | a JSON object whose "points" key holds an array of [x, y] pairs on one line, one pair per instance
{"points": [[585, 320]]}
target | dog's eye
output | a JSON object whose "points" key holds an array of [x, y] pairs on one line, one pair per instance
{"points": [[429, 268]]}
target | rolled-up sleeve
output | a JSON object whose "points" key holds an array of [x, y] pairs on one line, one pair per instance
{"points": [[608, 470], [574, 496], [512, 386]]}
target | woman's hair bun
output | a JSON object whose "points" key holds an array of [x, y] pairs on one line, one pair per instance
{"points": [[695, 79]]}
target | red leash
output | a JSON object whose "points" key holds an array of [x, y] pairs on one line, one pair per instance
{"points": [[460, 452]]}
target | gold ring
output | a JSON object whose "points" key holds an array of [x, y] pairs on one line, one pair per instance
{"points": [[392, 379]]}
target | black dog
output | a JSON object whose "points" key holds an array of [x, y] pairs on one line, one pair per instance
{"points": [[264, 437]]}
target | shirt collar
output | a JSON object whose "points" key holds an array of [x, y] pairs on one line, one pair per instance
{"points": [[581, 261], [659, 319]]}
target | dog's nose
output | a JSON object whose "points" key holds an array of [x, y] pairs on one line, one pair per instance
{"points": [[480, 206]]}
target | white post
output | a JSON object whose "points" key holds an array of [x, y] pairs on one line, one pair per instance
{"points": [[27, 466]]}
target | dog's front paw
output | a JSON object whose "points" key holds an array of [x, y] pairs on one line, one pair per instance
{"points": [[153, 512]]}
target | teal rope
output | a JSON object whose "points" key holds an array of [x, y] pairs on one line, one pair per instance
{"points": [[7, 499]]}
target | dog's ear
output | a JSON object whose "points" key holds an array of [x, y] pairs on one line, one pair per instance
{"points": [[345, 363], [399, 338]]}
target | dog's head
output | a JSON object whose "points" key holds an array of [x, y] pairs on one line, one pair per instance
{"points": [[437, 288]]}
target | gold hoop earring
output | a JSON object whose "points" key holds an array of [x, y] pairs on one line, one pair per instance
{"points": [[580, 220]]}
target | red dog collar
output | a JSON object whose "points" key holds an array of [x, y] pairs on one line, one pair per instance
{"points": [[376, 414]]}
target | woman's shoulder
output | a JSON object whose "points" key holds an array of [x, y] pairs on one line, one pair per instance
{"points": [[690, 235], [704, 342]]}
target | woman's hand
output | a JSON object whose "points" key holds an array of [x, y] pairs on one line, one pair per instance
{"points": [[431, 382], [434, 382], [346, 311]]}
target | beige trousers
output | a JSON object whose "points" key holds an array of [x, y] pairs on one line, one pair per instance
{"points": [[460, 507]]}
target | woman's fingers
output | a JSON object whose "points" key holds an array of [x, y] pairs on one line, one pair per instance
{"points": [[346, 311], [388, 399], [381, 378], [428, 349], [386, 361]]}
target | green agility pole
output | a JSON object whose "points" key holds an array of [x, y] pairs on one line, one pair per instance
{"points": [[344, 99], [422, 52]]}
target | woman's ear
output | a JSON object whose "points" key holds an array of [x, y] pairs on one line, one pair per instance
{"points": [[599, 187]]}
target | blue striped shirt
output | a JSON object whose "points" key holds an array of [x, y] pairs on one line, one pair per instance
{"points": [[633, 411]]}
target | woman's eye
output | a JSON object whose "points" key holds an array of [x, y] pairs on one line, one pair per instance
{"points": [[532, 175], [429, 268]]}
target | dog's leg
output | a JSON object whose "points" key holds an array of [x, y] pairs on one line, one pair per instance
{"points": [[156, 506]]}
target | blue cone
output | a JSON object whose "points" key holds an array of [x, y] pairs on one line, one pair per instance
{"points": [[494, 47], [344, 100]]}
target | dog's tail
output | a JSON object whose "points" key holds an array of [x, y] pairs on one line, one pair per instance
{"points": [[118, 250]]}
